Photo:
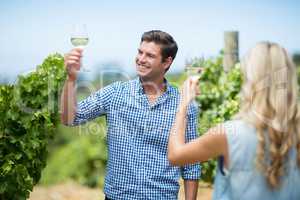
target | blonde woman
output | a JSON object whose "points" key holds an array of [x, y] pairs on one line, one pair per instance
{"points": [[260, 149]]}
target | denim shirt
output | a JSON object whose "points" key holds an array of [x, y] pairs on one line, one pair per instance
{"points": [[242, 180]]}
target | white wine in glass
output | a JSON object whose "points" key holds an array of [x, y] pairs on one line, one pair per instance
{"points": [[79, 38], [79, 42]]}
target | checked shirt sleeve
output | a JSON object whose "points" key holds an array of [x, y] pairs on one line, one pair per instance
{"points": [[97, 104], [191, 172]]}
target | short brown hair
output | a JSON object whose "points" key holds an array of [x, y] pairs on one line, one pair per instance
{"points": [[167, 44]]}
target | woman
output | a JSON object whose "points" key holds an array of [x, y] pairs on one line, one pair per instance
{"points": [[260, 149]]}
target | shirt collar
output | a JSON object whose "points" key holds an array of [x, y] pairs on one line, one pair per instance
{"points": [[139, 90]]}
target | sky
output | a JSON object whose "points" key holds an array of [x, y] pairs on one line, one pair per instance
{"points": [[30, 29]]}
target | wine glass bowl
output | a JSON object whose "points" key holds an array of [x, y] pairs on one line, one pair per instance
{"points": [[194, 67]]}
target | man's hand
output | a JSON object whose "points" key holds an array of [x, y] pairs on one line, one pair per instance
{"points": [[73, 62]]}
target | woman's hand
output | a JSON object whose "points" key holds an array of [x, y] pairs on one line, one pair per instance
{"points": [[189, 90]]}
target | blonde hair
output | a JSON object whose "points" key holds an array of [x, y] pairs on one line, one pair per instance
{"points": [[269, 101]]}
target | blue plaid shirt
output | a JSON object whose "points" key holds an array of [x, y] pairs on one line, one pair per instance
{"points": [[137, 139]]}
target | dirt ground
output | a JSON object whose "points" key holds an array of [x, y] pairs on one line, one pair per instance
{"points": [[74, 191]]}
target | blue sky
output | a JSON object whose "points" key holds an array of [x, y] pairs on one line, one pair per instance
{"points": [[30, 30]]}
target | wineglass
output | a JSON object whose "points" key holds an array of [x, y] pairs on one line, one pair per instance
{"points": [[79, 38], [194, 66]]}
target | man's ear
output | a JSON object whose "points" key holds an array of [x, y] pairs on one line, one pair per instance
{"points": [[168, 61]]}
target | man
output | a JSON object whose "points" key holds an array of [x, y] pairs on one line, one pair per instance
{"points": [[139, 115]]}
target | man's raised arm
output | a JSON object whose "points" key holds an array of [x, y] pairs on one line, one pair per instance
{"points": [[68, 97]]}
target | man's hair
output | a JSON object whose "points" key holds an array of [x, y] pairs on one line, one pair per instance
{"points": [[166, 42]]}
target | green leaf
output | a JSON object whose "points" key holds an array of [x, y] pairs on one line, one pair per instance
{"points": [[26, 126]]}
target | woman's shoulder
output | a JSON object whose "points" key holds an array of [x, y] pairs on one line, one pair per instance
{"points": [[238, 126], [242, 142]]}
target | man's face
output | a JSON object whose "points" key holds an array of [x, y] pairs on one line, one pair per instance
{"points": [[149, 64]]}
